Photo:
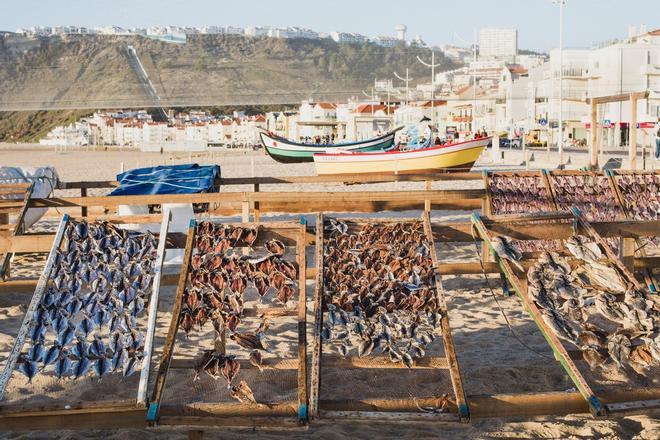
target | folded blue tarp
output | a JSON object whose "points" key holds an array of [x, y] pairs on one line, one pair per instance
{"points": [[174, 179]]}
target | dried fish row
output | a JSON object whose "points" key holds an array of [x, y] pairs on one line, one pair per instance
{"points": [[88, 316], [591, 305], [379, 290], [218, 281], [591, 194], [515, 194], [641, 196]]}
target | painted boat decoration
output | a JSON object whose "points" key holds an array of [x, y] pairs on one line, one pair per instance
{"points": [[454, 157], [286, 151]]}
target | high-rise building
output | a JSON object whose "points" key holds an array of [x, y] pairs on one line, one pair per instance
{"points": [[499, 43]]}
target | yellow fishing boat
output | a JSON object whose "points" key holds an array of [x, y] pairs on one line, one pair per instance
{"points": [[449, 157]]}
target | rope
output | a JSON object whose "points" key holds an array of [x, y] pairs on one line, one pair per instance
{"points": [[492, 292]]}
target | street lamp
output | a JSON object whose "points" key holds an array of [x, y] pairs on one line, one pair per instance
{"points": [[407, 80], [560, 142], [432, 66]]}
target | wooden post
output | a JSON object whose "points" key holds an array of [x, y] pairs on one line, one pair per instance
{"points": [[195, 435], [303, 391], [245, 211], [153, 309], [257, 213], [593, 144], [427, 202], [632, 133], [168, 348], [317, 346], [83, 209]]}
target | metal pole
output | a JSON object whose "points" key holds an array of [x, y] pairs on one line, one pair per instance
{"points": [[407, 80], [432, 66], [474, 83], [561, 82]]}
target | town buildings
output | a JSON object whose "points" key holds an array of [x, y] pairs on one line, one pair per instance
{"points": [[498, 43]]}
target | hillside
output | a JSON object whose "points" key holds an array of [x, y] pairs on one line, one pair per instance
{"points": [[85, 72]]}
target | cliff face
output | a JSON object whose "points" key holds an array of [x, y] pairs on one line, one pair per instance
{"points": [[90, 72]]}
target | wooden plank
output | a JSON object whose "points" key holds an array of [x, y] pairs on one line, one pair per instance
{"points": [[385, 363], [617, 97], [352, 178], [122, 219], [387, 405], [19, 228], [550, 189], [36, 300], [303, 391], [443, 232], [230, 409], [597, 408], [153, 309], [168, 348], [487, 210], [454, 370], [302, 197], [127, 419], [387, 417], [317, 346], [79, 407], [252, 423]]}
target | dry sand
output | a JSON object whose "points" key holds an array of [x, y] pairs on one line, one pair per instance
{"points": [[491, 359]]}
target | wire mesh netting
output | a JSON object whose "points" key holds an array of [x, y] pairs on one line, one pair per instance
{"points": [[86, 337], [381, 332], [598, 315], [592, 195], [641, 197], [513, 193], [237, 342]]}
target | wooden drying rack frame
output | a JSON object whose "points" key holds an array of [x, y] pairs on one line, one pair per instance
{"points": [[280, 415], [250, 205], [597, 405], [382, 409], [8, 409]]}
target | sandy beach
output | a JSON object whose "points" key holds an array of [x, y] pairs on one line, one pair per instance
{"points": [[491, 358]]}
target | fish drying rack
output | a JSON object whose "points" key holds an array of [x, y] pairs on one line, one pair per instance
{"points": [[310, 405], [63, 395], [378, 370], [582, 376], [201, 404]]}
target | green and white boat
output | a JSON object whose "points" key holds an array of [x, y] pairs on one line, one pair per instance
{"points": [[285, 151]]}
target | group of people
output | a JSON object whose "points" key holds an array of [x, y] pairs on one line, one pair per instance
{"points": [[319, 140], [454, 138]]}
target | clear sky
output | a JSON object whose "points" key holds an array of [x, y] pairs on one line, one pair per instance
{"points": [[586, 21]]}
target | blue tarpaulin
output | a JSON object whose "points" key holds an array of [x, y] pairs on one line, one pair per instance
{"points": [[170, 179]]}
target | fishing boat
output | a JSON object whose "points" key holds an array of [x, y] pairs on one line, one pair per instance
{"points": [[450, 157], [285, 151]]}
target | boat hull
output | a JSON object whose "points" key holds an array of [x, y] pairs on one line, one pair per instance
{"points": [[285, 151], [457, 157]]}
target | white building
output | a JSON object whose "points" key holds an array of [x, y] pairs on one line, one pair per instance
{"points": [[499, 43], [386, 41], [350, 38]]}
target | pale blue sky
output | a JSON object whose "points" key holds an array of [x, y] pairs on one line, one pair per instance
{"points": [[435, 20]]}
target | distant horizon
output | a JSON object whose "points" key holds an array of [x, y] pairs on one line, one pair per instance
{"points": [[586, 22]]}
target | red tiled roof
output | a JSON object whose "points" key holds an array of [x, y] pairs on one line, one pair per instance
{"points": [[260, 118], [369, 108], [436, 103], [655, 33], [327, 105]]}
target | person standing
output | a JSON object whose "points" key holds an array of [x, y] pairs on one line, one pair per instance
{"points": [[657, 143]]}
